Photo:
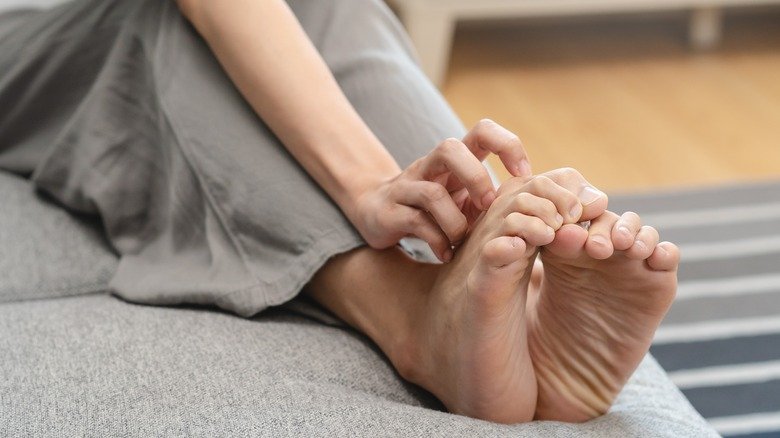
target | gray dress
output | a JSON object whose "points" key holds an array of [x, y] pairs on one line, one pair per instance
{"points": [[118, 108]]}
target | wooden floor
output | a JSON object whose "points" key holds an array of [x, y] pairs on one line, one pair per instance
{"points": [[625, 100]]}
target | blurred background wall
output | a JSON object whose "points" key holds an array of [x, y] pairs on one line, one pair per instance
{"points": [[635, 100]]}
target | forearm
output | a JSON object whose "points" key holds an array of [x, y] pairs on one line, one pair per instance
{"points": [[269, 58]]}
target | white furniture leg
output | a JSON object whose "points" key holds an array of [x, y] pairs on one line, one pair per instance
{"points": [[705, 28], [432, 31]]}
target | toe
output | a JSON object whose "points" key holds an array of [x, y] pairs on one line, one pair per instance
{"points": [[665, 257], [644, 245], [569, 242], [503, 251], [625, 230], [502, 263], [599, 244]]}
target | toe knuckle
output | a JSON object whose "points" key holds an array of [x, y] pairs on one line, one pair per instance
{"points": [[513, 220], [538, 225], [542, 181], [548, 207], [523, 198]]}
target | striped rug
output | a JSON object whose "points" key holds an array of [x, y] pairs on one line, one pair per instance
{"points": [[720, 342]]}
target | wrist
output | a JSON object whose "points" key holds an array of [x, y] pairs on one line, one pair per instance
{"points": [[359, 186]]}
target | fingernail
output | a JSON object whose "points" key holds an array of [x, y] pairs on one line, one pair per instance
{"points": [[599, 239], [488, 199], [447, 255], [589, 195], [559, 219], [524, 168]]}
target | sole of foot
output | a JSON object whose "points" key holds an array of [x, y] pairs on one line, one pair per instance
{"points": [[603, 293]]}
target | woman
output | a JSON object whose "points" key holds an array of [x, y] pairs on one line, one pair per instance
{"points": [[204, 134]]}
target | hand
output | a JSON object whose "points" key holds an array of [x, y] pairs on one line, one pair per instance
{"points": [[439, 196]]}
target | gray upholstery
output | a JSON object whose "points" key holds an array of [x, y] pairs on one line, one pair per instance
{"points": [[44, 251], [93, 365]]}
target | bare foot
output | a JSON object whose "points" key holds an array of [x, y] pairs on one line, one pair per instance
{"points": [[459, 330], [602, 295], [473, 342]]}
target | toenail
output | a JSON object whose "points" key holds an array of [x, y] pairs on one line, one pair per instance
{"points": [[599, 240], [559, 219], [589, 195], [624, 231], [447, 255], [550, 231], [576, 212], [640, 245]]}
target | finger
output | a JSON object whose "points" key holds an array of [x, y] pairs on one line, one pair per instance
{"points": [[488, 136], [531, 205], [453, 156], [646, 240], [433, 198], [624, 232], [460, 197], [417, 223], [599, 244], [594, 201], [532, 229], [566, 203]]}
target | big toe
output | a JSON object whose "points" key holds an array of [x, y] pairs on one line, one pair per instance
{"points": [[569, 241], [665, 257]]}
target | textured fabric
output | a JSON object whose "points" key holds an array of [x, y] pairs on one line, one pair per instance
{"points": [[97, 366], [121, 110], [44, 251], [720, 341]]}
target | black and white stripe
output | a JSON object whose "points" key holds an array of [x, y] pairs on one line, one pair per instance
{"points": [[720, 342]]}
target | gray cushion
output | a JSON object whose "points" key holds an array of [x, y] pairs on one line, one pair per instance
{"points": [[45, 251], [95, 365]]}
